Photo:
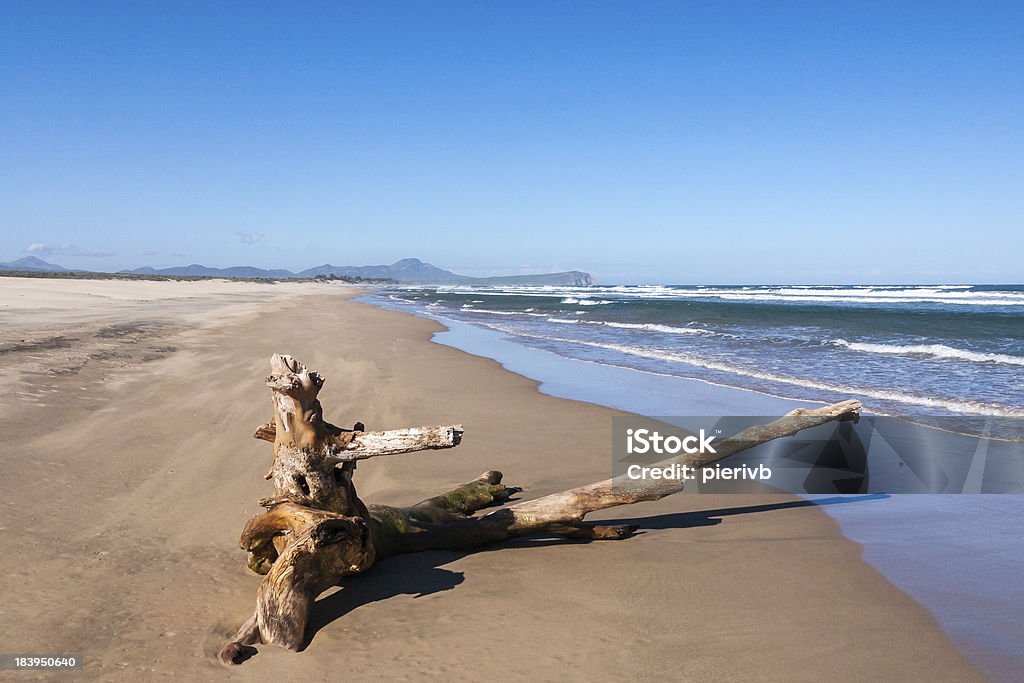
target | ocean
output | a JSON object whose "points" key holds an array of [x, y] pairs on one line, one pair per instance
{"points": [[905, 351], [945, 355]]}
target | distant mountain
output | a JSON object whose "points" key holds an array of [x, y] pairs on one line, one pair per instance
{"points": [[32, 263], [202, 271], [408, 270]]}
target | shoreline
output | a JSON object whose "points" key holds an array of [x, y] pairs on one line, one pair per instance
{"points": [[157, 476], [934, 560]]}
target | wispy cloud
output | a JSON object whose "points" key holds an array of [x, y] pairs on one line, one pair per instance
{"points": [[64, 249], [250, 237]]}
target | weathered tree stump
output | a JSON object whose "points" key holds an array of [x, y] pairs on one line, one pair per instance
{"points": [[316, 530]]}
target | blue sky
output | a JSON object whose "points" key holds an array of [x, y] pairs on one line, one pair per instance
{"points": [[681, 142]]}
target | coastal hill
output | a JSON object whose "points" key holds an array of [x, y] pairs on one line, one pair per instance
{"points": [[415, 271], [407, 270], [33, 264]]}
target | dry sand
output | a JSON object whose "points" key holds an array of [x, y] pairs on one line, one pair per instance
{"points": [[129, 471]]}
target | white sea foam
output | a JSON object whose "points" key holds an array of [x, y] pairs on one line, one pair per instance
{"points": [[969, 407], [667, 329], [933, 350], [489, 311], [866, 294], [585, 301], [654, 327], [964, 407]]}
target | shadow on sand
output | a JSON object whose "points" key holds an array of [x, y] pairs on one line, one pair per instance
{"points": [[422, 573]]}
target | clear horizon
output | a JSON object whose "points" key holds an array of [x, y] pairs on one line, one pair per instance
{"points": [[647, 143], [638, 283]]}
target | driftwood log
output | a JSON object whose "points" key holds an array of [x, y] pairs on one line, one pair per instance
{"points": [[316, 530]]}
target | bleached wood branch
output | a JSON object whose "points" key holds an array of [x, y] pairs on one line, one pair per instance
{"points": [[364, 445], [347, 446]]}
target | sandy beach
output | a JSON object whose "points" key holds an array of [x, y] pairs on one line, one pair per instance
{"points": [[130, 469]]}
